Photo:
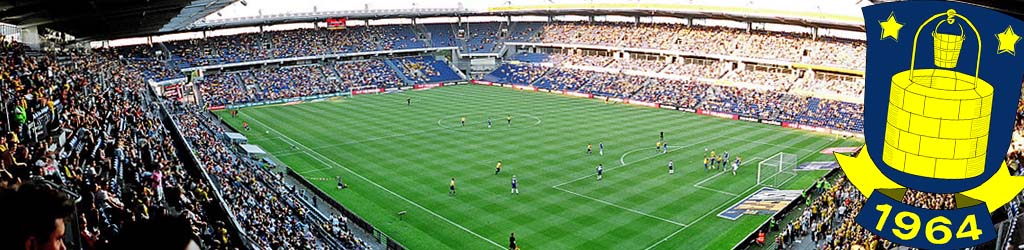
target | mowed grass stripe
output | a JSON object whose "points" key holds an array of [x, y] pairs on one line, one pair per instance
{"points": [[319, 158], [649, 176], [405, 150]]}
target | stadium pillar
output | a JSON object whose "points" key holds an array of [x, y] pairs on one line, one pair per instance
{"points": [[689, 21], [636, 21], [999, 235], [590, 19], [750, 26], [814, 33], [7, 113]]}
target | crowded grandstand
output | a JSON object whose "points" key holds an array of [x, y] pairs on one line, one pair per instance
{"points": [[127, 138]]}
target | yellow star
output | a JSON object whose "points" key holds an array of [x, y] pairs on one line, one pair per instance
{"points": [[1007, 41], [891, 28]]}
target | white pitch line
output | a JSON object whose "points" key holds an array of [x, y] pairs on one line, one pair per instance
{"points": [[375, 184], [622, 159], [712, 189], [781, 146], [728, 202], [314, 170], [698, 184], [621, 207]]}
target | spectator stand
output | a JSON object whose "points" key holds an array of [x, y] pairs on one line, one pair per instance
{"points": [[300, 186], [426, 69], [88, 125], [243, 181], [746, 91], [192, 161], [518, 73]]}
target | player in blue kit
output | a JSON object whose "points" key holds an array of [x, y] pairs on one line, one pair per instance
{"points": [[725, 160], [515, 185], [736, 165]]}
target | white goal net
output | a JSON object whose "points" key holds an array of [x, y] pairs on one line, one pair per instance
{"points": [[776, 170]]}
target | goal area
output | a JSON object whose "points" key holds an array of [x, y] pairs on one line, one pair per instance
{"points": [[776, 170]]}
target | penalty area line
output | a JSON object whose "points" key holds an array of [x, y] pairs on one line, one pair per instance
{"points": [[728, 202], [621, 207]]}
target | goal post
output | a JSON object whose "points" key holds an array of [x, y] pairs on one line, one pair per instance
{"points": [[776, 170]]}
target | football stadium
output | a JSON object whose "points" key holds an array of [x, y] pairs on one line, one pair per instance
{"points": [[526, 124]]}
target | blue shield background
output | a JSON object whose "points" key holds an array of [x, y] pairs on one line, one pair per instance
{"points": [[887, 57]]}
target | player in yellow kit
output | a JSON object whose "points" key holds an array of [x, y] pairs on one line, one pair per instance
{"points": [[721, 162], [451, 187], [712, 159], [463, 120], [706, 161], [497, 169]]}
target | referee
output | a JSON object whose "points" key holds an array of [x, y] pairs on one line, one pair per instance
{"points": [[512, 242]]}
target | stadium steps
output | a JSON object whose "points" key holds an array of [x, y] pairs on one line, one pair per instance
{"points": [[460, 41], [547, 71], [499, 44], [164, 49], [334, 71], [724, 72], [462, 75], [649, 82], [237, 78], [398, 71], [422, 32]]}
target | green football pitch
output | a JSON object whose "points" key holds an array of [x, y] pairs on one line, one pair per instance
{"points": [[397, 157]]}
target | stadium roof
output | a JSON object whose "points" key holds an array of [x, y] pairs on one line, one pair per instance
{"points": [[1012, 7], [112, 19], [107, 19]]}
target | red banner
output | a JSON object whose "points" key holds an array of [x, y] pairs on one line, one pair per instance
{"points": [[641, 103], [336, 23], [367, 91], [806, 127], [578, 94], [173, 91], [482, 82], [718, 114], [427, 86]]}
